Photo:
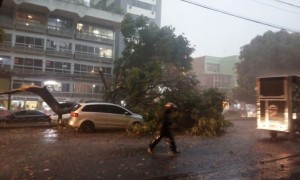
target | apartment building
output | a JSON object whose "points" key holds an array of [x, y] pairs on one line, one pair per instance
{"points": [[148, 8], [135, 8], [60, 44], [216, 72]]}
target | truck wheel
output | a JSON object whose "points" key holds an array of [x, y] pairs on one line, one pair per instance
{"points": [[273, 134]]}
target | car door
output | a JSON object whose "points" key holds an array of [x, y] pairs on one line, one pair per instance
{"points": [[118, 116], [94, 113]]}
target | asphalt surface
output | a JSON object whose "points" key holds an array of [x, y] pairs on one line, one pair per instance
{"points": [[45, 152]]}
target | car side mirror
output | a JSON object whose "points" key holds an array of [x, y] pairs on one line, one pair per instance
{"points": [[127, 113]]}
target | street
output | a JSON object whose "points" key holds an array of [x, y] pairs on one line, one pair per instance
{"points": [[242, 153]]}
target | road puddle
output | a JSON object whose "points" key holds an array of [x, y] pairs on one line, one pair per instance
{"points": [[49, 136]]}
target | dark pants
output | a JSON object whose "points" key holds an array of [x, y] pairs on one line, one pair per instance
{"points": [[169, 138]]}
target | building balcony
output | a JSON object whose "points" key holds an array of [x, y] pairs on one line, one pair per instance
{"points": [[6, 46], [56, 31], [58, 74], [28, 72], [95, 38], [6, 23], [61, 53], [87, 56], [76, 95], [78, 75], [33, 27], [25, 48], [90, 76], [106, 60], [5, 69]]}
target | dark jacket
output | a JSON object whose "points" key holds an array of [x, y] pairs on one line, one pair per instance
{"points": [[166, 125]]}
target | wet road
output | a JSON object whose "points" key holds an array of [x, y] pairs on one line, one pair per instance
{"points": [[242, 153]]}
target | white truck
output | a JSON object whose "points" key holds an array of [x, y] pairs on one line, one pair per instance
{"points": [[278, 104]]}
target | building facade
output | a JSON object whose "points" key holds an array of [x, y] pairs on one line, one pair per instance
{"points": [[60, 44], [135, 8], [216, 72], [148, 8]]}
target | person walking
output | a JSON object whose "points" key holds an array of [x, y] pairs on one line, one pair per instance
{"points": [[165, 130]]}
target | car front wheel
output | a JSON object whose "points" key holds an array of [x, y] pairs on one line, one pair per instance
{"points": [[87, 127]]}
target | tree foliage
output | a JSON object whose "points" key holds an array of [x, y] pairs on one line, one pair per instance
{"points": [[272, 54], [155, 69], [155, 61]]}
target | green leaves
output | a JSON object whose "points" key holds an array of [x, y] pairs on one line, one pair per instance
{"points": [[153, 59], [272, 54]]}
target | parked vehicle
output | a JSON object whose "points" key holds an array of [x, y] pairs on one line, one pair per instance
{"points": [[234, 113], [28, 116], [278, 104], [4, 114], [90, 116]]}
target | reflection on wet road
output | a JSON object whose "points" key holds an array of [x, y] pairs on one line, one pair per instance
{"points": [[49, 135], [282, 167], [242, 153]]}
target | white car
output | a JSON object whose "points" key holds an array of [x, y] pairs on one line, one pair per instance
{"points": [[90, 116]]}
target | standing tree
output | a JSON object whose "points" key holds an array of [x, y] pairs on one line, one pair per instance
{"points": [[155, 68], [271, 54], [155, 61]]}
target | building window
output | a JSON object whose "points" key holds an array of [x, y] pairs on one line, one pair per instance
{"points": [[54, 66], [18, 83], [5, 60], [54, 86], [30, 18], [107, 71], [84, 69], [106, 52], [59, 45], [28, 63], [31, 42], [221, 81], [211, 67], [60, 24], [7, 38], [101, 32], [86, 49], [87, 88], [143, 5]]}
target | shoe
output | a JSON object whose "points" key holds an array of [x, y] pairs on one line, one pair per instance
{"points": [[150, 150]]}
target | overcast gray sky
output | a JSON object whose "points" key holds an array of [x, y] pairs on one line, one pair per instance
{"points": [[216, 34]]}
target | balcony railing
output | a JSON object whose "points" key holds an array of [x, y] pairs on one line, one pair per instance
{"points": [[29, 49], [20, 71], [7, 23], [87, 56], [106, 60], [57, 74], [94, 37], [61, 53], [6, 46], [26, 26], [5, 69], [76, 95], [60, 32]]}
